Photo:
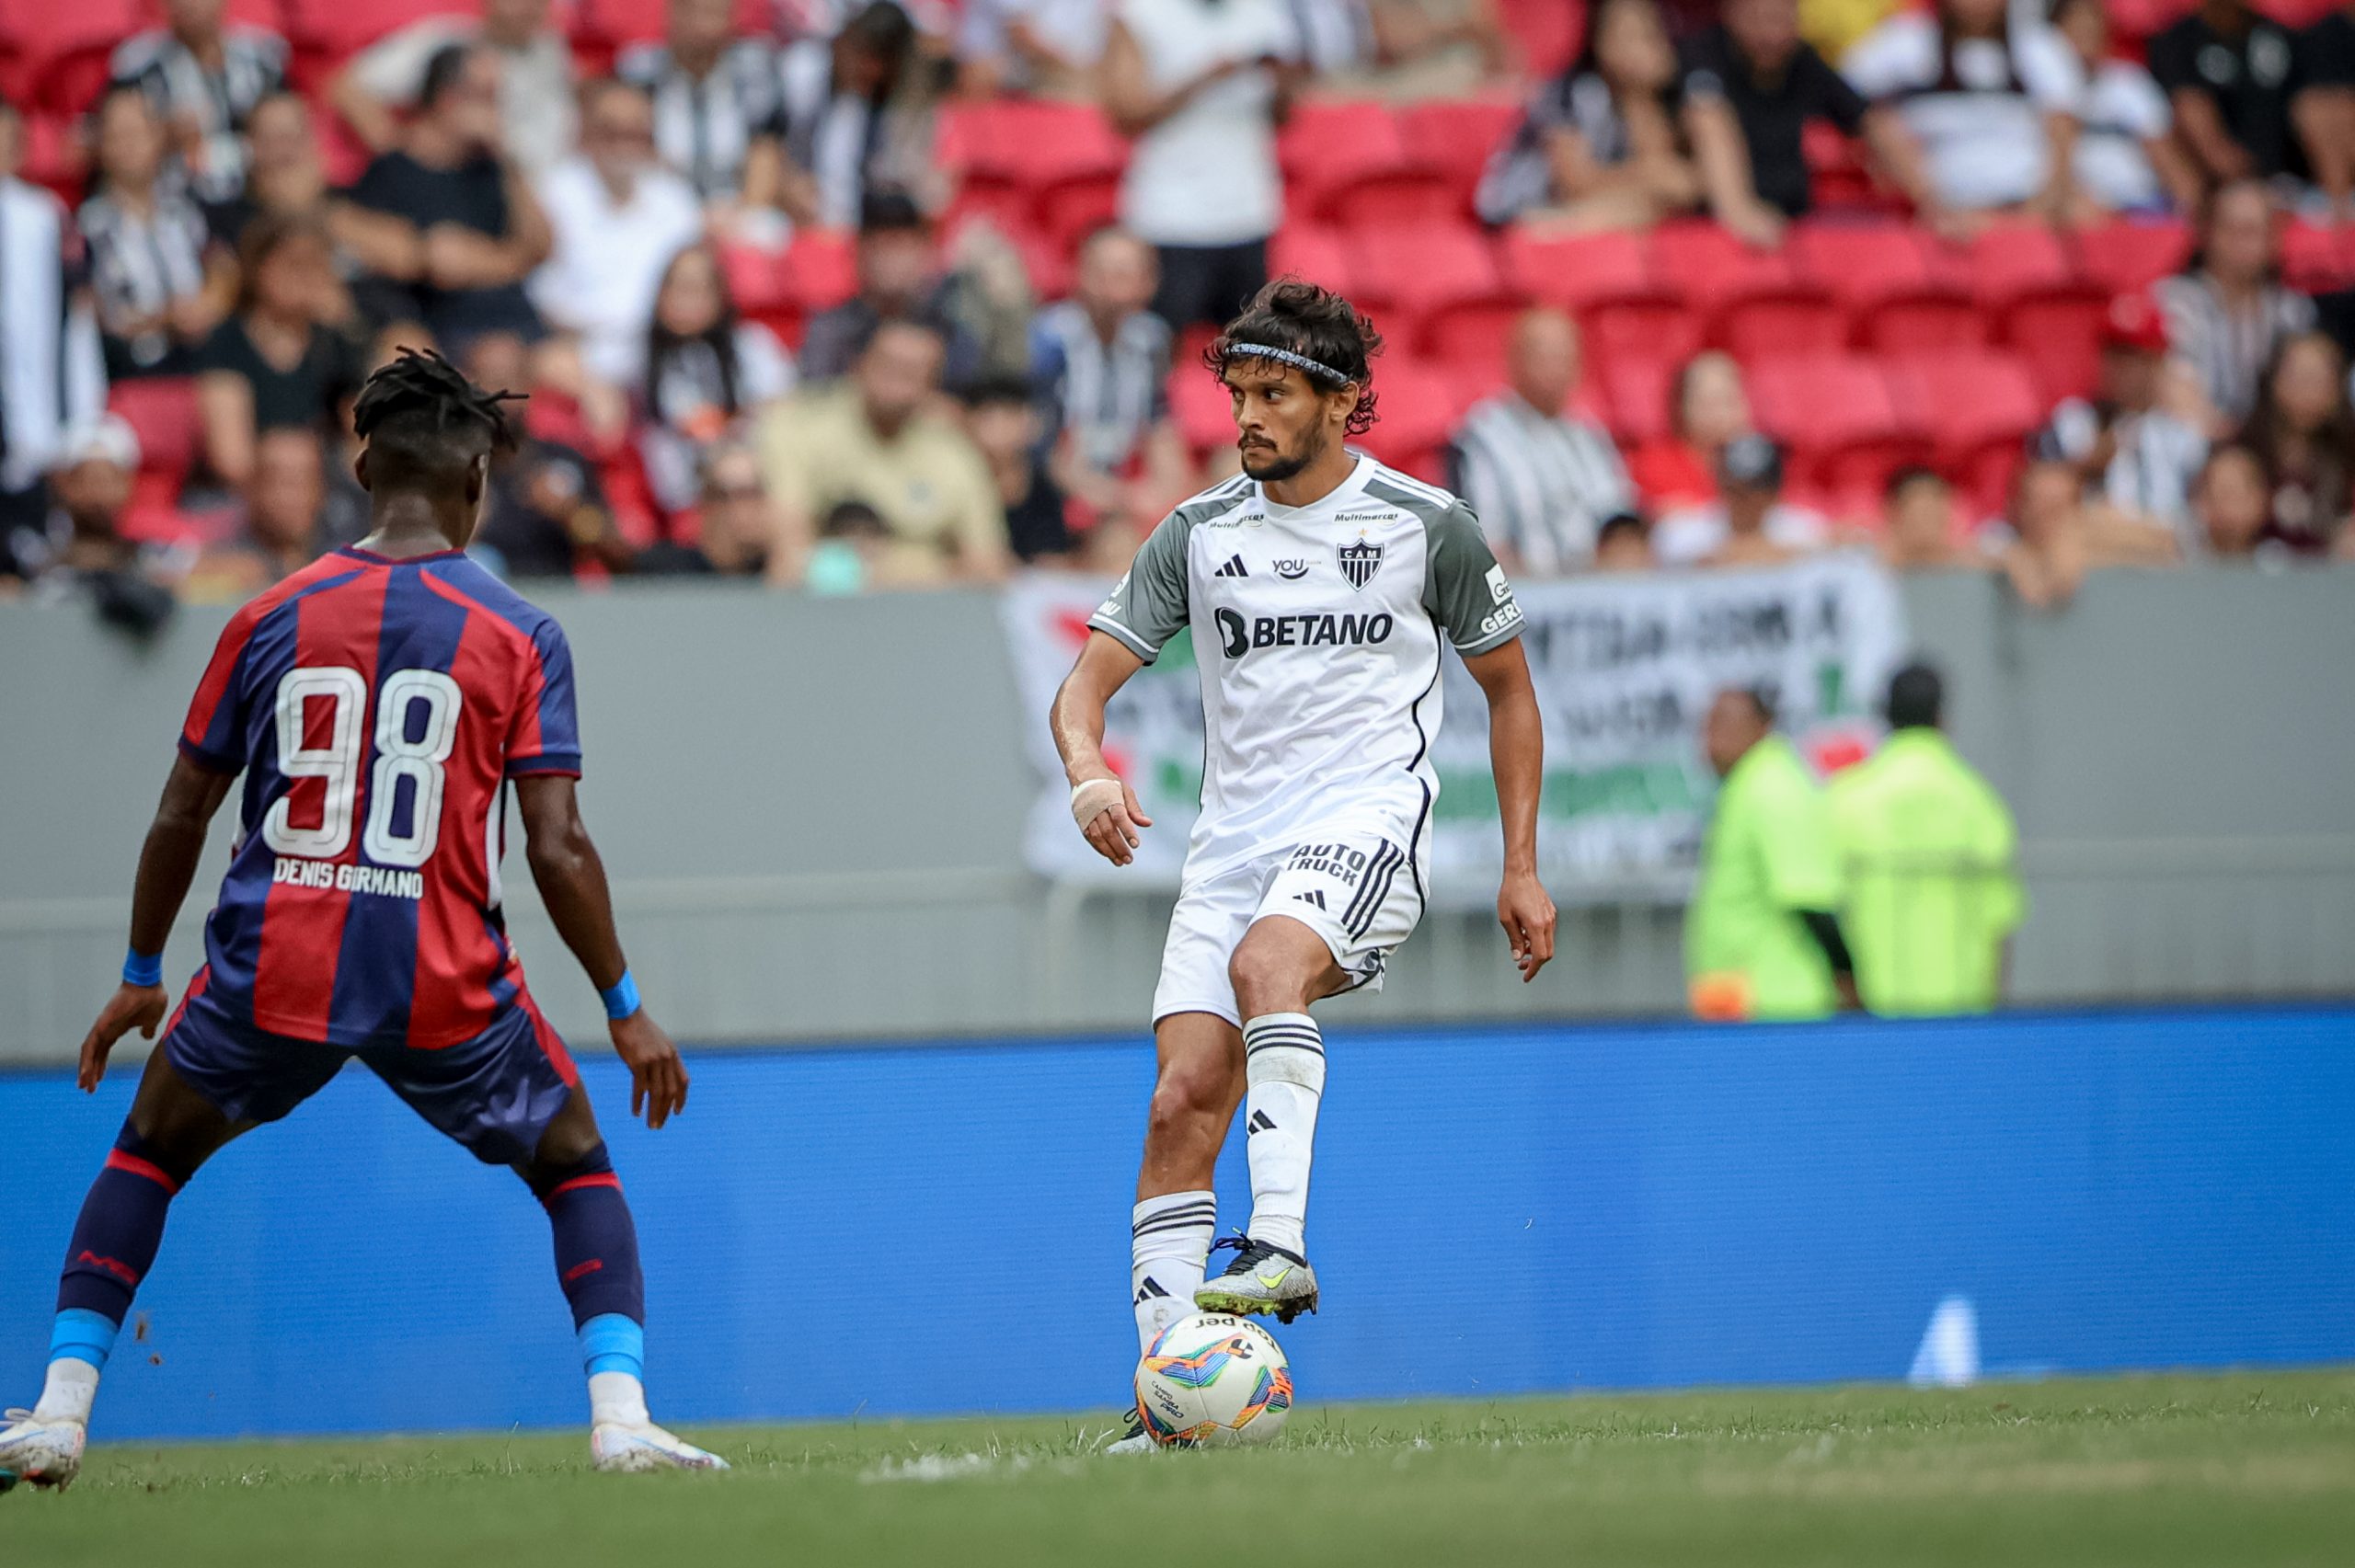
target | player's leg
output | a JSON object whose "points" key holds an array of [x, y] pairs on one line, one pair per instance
{"points": [[1196, 1087], [511, 1096], [173, 1128], [1198, 1083], [1279, 968], [1325, 923]]}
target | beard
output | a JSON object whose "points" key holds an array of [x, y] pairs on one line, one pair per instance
{"points": [[1271, 467]]}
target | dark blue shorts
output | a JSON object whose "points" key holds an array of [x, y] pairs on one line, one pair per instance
{"points": [[495, 1093]]}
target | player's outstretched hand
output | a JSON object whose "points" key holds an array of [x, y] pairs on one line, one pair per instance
{"points": [[1110, 825], [657, 1079], [131, 1007], [1527, 915]]}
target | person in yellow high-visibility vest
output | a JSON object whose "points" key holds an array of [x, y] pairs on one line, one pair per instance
{"points": [[1927, 849], [1762, 936]]}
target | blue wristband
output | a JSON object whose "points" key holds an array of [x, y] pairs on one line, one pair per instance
{"points": [[142, 969], [621, 998]]}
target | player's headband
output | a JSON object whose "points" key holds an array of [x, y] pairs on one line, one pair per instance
{"points": [[1317, 368]]}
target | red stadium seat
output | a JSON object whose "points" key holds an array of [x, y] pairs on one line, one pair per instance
{"points": [[54, 156], [1754, 302], [1838, 176], [1901, 289], [1979, 410], [1043, 142], [1202, 409], [1051, 266], [754, 278], [334, 29], [1418, 412], [820, 269], [1345, 160], [1470, 339], [2059, 337], [1455, 138], [1548, 31], [2048, 310], [1419, 279], [2122, 257], [1071, 208], [1636, 397], [2312, 260], [2014, 261], [2135, 21], [1839, 417], [61, 51], [1609, 280], [1469, 383], [1192, 344], [1642, 329], [612, 23], [268, 15], [1580, 271], [1302, 250], [161, 410]]}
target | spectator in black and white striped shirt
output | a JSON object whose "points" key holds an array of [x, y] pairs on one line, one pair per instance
{"points": [[1540, 478], [2227, 313], [205, 79], [1598, 147], [2128, 449], [1100, 362], [718, 106], [857, 117], [161, 284]]}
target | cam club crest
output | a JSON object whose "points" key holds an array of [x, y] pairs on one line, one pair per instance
{"points": [[1359, 561]]}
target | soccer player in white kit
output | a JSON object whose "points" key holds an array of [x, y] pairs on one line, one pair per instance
{"points": [[1322, 588]]}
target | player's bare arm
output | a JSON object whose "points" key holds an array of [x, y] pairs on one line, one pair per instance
{"points": [[167, 865], [1102, 803], [571, 879], [1517, 753]]}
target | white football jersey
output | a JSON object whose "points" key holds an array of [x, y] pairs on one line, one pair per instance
{"points": [[1318, 630]]}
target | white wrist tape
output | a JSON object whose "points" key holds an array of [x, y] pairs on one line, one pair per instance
{"points": [[1092, 797]]}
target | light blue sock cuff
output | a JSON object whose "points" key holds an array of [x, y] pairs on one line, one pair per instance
{"points": [[82, 1334], [612, 1343]]}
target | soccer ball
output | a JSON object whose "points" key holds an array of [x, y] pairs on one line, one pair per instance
{"points": [[1214, 1380]]}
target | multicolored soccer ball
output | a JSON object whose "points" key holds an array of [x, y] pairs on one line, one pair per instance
{"points": [[1214, 1380]]}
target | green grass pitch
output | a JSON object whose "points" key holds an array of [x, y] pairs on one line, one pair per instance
{"points": [[2242, 1468]]}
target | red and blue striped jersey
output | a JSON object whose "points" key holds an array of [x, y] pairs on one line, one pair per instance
{"points": [[377, 708]]}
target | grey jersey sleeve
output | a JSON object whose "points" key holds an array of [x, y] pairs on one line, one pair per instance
{"points": [[1464, 588], [1149, 606]]}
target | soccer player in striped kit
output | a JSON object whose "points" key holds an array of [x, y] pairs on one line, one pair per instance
{"points": [[1322, 589], [379, 703]]}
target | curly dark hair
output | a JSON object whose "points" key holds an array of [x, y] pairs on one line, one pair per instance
{"points": [[1302, 318]]}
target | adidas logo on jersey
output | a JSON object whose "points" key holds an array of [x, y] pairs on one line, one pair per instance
{"points": [[1313, 896], [1233, 568]]}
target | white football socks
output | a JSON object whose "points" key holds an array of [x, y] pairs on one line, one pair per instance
{"points": [[69, 1392], [1169, 1243], [1283, 1071], [617, 1398], [67, 1395]]}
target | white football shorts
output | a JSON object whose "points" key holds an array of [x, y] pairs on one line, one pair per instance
{"points": [[1359, 890]]}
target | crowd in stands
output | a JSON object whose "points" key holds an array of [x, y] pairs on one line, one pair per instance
{"points": [[844, 294]]}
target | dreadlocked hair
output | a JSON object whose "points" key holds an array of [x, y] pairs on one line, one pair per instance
{"points": [[1299, 317], [422, 382]]}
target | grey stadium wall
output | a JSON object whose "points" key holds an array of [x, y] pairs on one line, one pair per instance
{"points": [[812, 812]]}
